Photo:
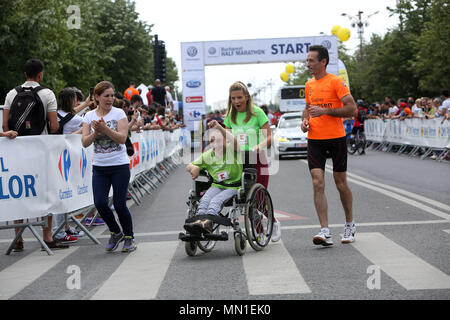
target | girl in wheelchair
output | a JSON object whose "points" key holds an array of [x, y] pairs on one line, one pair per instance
{"points": [[222, 164]]}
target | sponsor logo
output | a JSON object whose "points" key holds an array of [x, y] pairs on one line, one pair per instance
{"points": [[64, 164], [83, 163], [16, 186], [195, 114], [192, 51], [193, 84], [194, 99], [212, 51], [326, 44]]}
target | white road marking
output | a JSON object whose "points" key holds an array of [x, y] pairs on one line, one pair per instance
{"points": [[448, 231], [410, 271], [140, 275], [262, 277], [24, 272], [391, 194]]}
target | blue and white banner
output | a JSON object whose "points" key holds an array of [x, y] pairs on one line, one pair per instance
{"points": [[431, 133], [53, 173]]}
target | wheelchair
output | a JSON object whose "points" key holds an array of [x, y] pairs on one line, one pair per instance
{"points": [[252, 202]]}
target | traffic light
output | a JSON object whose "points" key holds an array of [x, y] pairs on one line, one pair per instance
{"points": [[159, 50]]}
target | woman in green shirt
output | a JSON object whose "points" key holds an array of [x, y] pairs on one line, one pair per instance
{"points": [[250, 125]]}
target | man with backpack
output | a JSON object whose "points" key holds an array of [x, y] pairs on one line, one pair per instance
{"points": [[27, 109]]}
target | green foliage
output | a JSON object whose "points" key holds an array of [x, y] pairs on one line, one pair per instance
{"points": [[411, 59], [111, 44]]}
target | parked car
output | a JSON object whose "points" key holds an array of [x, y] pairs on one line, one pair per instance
{"points": [[289, 139]]}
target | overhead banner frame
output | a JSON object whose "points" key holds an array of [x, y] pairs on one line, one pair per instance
{"points": [[196, 55]]}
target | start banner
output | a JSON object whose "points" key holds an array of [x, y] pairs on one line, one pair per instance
{"points": [[431, 133], [53, 173]]}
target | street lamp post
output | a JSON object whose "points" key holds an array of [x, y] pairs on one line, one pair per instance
{"points": [[358, 22]]}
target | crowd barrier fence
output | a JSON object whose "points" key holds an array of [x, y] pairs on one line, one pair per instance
{"points": [[413, 135], [52, 174]]}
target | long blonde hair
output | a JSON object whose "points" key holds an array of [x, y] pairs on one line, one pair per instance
{"points": [[238, 85]]}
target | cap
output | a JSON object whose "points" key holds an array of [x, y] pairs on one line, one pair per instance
{"points": [[403, 105]]}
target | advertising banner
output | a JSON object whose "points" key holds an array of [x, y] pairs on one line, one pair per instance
{"points": [[53, 173], [432, 133], [196, 55]]}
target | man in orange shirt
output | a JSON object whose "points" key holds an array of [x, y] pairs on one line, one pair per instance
{"points": [[131, 91], [328, 100]]}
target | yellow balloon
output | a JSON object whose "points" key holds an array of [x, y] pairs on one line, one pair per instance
{"points": [[284, 76], [343, 34], [290, 68], [335, 30]]}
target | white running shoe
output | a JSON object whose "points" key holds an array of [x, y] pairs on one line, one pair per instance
{"points": [[323, 239], [349, 234], [276, 231]]}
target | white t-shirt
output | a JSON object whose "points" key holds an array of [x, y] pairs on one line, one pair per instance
{"points": [[393, 110], [416, 109], [47, 97], [446, 104], [73, 125], [107, 152]]}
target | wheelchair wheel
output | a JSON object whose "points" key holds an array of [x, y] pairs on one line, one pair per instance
{"points": [[258, 217], [239, 243], [207, 246], [190, 248]]}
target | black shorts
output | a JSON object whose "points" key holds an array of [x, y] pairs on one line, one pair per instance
{"points": [[320, 150]]}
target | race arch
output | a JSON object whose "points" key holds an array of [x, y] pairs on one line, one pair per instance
{"points": [[196, 55]]}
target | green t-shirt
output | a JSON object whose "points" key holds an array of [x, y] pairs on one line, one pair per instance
{"points": [[247, 133], [227, 170]]}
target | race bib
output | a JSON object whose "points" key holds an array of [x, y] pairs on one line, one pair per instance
{"points": [[222, 176], [242, 139]]}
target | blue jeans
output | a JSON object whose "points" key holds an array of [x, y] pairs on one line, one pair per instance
{"points": [[118, 177]]}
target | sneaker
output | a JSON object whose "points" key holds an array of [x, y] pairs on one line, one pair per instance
{"points": [[98, 222], [129, 244], [323, 239], [349, 234], [67, 239], [74, 232], [114, 241], [276, 231], [55, 245]]}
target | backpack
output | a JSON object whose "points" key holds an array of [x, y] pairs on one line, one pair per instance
{"points": [[362, 116], [62, 121], [27, 114]]}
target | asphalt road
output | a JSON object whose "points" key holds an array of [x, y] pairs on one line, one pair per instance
{"points": [[401, 210]]}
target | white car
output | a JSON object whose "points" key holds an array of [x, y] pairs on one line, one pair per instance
{"points": [[289, 139]]}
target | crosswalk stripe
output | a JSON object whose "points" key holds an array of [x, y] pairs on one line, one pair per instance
{"points": [[19, 275], [448, 231], [410, 271], [140, 275], [262, 277]]}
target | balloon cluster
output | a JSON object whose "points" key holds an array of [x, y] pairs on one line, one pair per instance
{"points": [[289, 70], [342, 33]]}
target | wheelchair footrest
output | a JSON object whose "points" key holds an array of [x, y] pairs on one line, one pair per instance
{"points": [[223, 236]]}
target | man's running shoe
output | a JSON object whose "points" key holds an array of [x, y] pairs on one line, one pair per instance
{"points": [[67, 239], [276, 231], [349, 234], [323, 239], [129, 244], [114, 241]]}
